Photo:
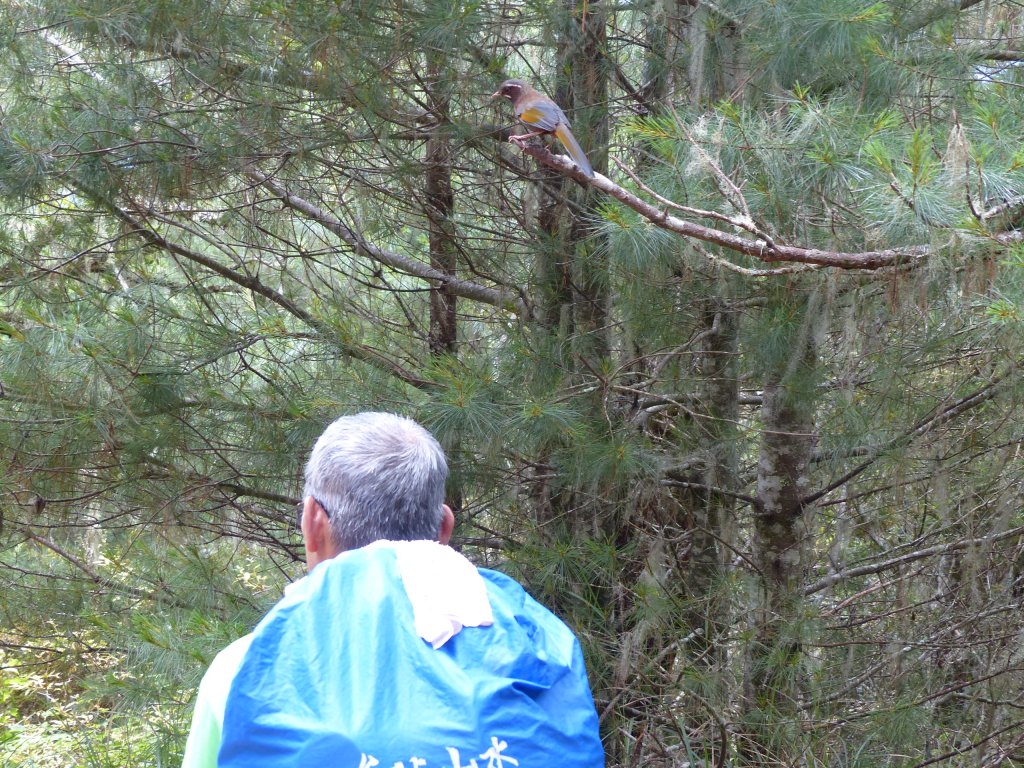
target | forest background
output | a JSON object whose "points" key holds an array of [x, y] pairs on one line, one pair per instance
{"points": [[745, 411]]}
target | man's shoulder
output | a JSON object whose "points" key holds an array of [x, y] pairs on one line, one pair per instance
{"points": [[225, 664], [233, 651], [211, 699], [512, 592]]}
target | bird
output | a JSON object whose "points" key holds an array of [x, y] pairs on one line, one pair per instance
{"points": [[535, 110]]}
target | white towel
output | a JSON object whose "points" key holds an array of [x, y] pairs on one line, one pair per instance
{"points": [[446, 590]]}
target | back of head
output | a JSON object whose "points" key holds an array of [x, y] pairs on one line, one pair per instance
{"points": [[378, 476]]}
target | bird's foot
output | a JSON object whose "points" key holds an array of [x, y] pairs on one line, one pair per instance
{"points": [[520, 139]]}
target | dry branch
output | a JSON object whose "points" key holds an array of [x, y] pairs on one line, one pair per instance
{"points": [[759, 248], [462, 288]]}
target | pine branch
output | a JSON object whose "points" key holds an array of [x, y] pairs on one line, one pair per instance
{"points": [[356, 351], [938, 549], [1012, 205], [230, 68], [360, 245], [104, 581], [921, 428], [1008, 54], [461, 288], [710, 489], [970, 747], [256, 493], [758, 248], [932, 13]]}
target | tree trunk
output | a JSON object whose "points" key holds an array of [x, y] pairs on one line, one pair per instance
{"points": [[781, 542], [583, 90], [439, 207]]}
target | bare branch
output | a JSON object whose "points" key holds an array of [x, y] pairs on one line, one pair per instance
{"points": [[356, 351], [758, 248], [938, 549], [461, 288]]}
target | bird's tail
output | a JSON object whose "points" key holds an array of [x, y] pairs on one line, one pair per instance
{"points": [[573, 148]]}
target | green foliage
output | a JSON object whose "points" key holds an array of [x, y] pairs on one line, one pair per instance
{"points": [[466, 403], [1007, 308], [637, 246], [217, 222], [102, 682]]}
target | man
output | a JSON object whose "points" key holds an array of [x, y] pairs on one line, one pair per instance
{"points": [[394, 651]]}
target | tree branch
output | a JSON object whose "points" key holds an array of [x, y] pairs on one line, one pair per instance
{"points": [[462, 288], [102, 581], [922, 427], [326, 333], [759, 248], [938, 549]]}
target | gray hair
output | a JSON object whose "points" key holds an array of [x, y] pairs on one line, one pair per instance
{"points": [[378, 476]]}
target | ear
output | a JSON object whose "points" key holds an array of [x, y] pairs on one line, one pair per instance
{"points": [[316, 533], [444, 533]]}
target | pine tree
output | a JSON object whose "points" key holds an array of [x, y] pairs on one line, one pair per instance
{"points": [[744, 410]]}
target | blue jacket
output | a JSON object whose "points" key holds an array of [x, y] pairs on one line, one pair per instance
{"points": [[336, 675]]}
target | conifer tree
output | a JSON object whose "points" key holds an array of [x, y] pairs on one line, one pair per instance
{"points": [[744, 408]]}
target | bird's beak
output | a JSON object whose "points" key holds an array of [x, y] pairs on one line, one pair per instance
{"points": [[496, 94]]}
